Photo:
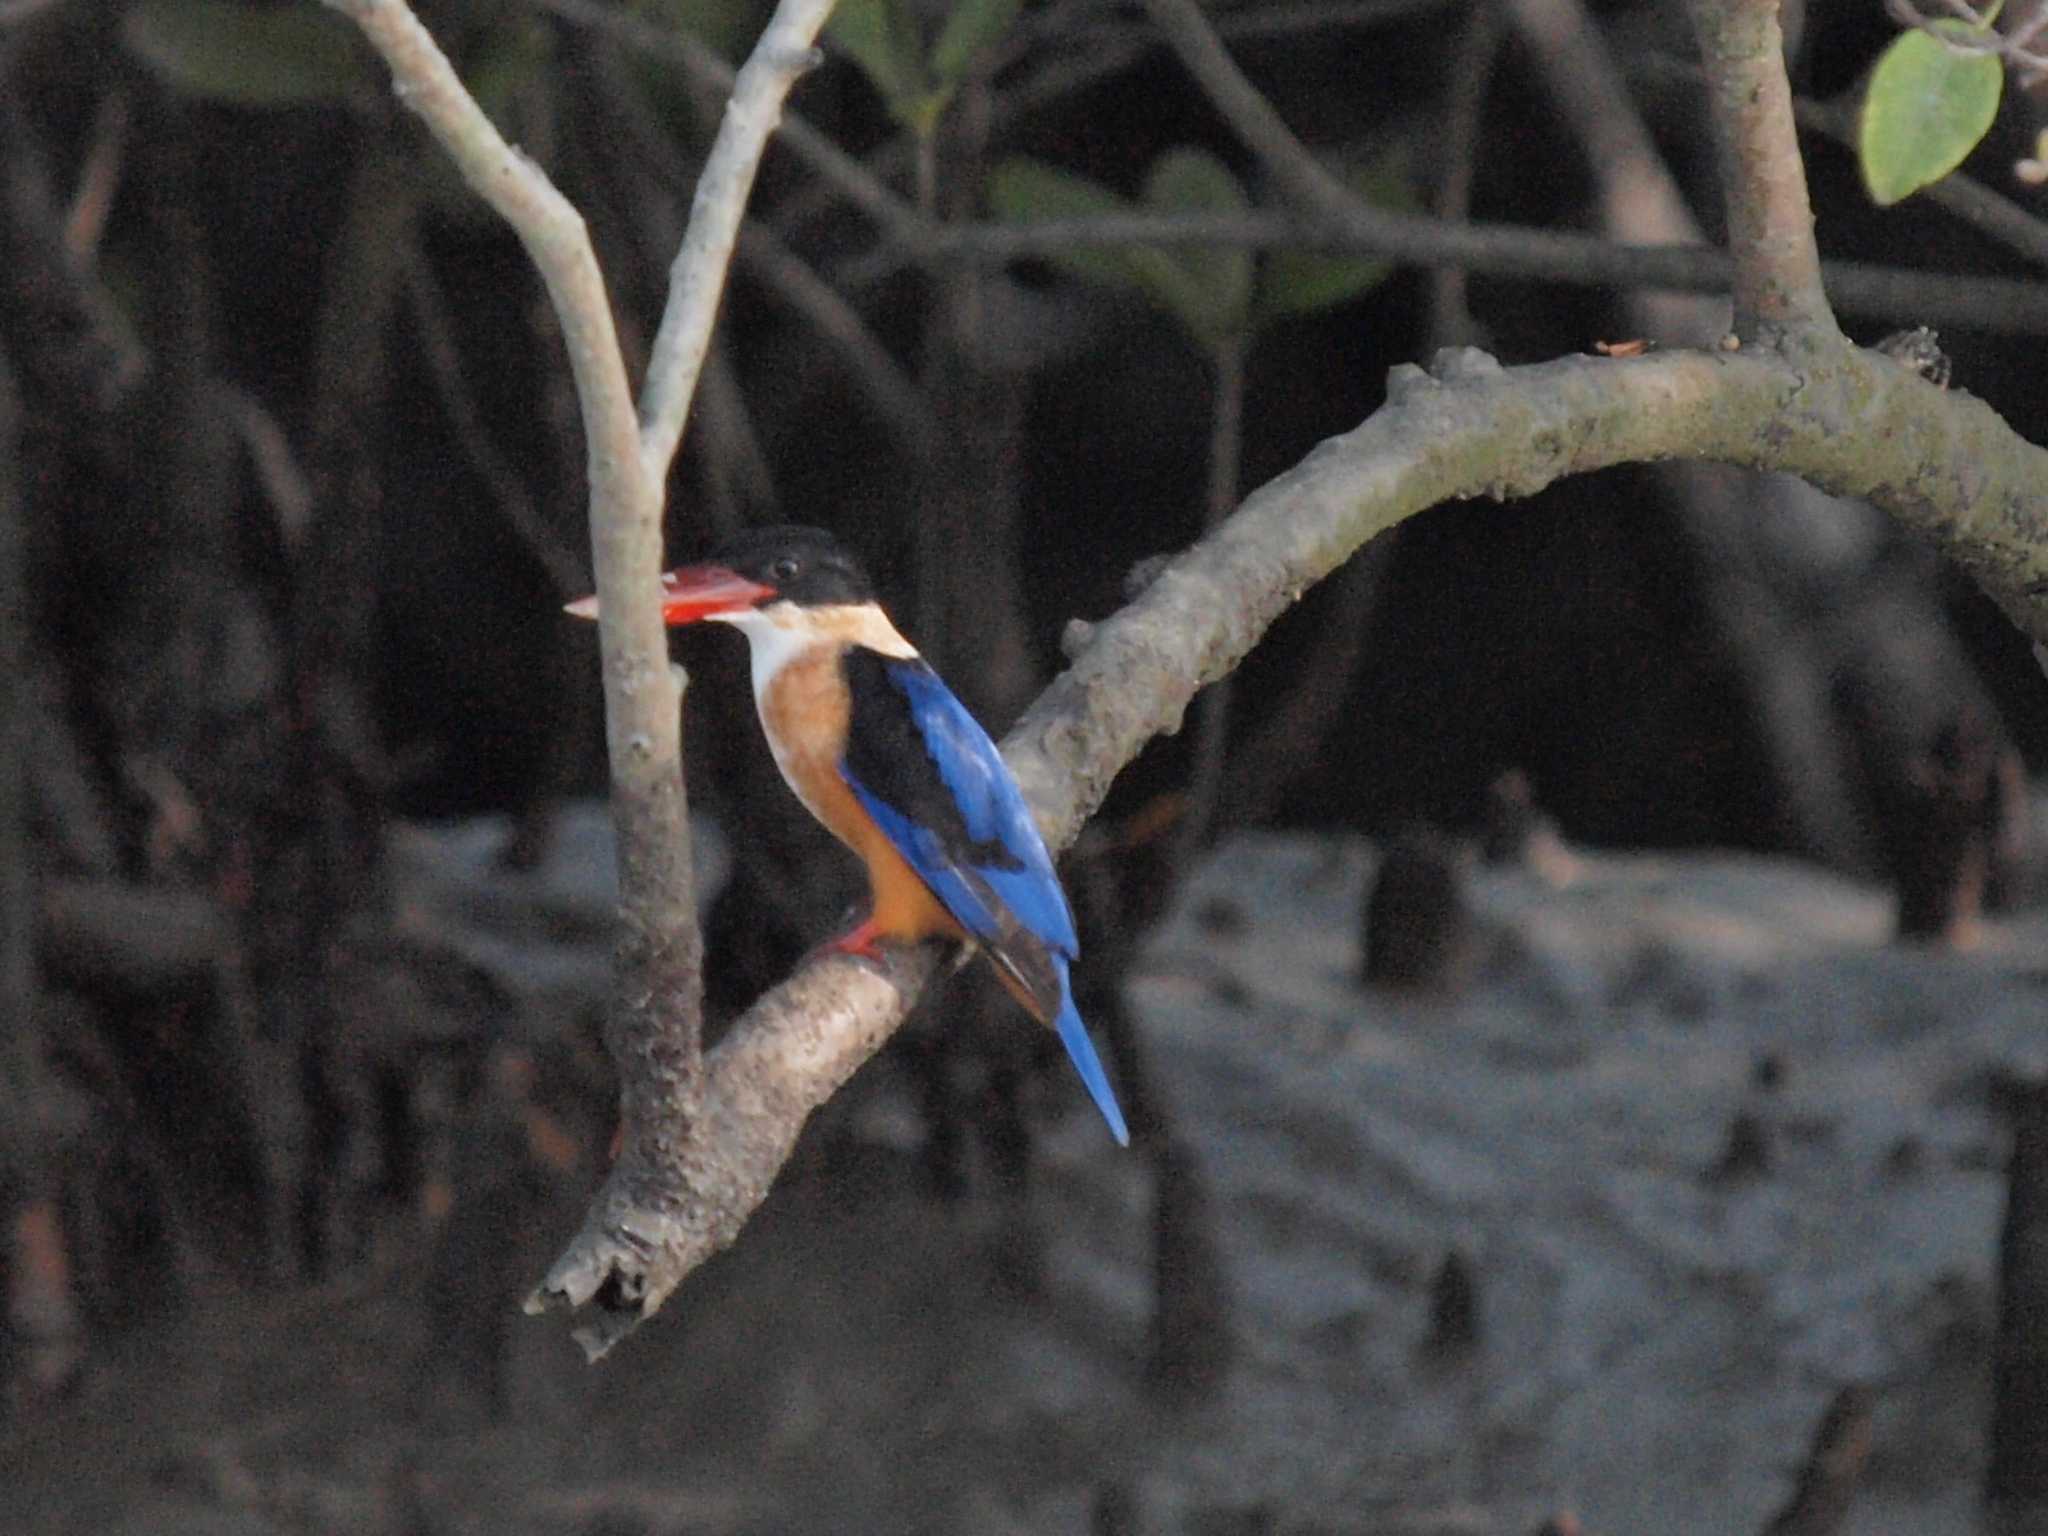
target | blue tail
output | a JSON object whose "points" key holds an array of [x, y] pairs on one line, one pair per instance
{"points": [[1074, 1035]]}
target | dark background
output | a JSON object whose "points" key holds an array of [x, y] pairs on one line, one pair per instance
{"points": [[291, 465]]}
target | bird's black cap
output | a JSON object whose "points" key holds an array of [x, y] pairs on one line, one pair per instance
{"points": [[805, 566]]}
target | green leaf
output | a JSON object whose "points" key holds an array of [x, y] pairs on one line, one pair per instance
{"points": [[249, 56], [972, 26], [1024, 191], [1217, 300], [1927, 106], [882, 36], [1297, 282]]}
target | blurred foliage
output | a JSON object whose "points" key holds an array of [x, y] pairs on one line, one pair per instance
{"points": [[727, 26], [1297, 282], [248, 55], [1027, 191], [916, 77], [507, 59], [1214, 293]]}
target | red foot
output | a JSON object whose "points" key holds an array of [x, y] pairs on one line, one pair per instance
{"points": [[859, 940]]}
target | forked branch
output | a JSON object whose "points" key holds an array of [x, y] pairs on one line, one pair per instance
{"points": [[655, 1029]]}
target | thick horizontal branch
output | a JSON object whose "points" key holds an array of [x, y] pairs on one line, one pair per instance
{"points": [[1893, 294], [1849, 420]]}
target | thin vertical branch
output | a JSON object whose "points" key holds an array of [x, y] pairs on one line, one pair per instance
{"points": [[1212, 709], [1639, 197], [839, 173], [1479, 44], [1301, 177], [1834, 1466], [626, 1249], [643, 730], [19, 1045], [2018, 1470], [1763, 181], [788, 47]]}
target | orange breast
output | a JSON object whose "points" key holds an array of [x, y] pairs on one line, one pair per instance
{"points": [[804, 713]]}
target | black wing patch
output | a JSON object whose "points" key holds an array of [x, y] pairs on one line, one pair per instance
{"points": [[888, 753]]}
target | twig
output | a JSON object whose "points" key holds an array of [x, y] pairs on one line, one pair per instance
{"points": [[656, 1025], [697, 279], [641, 701], [1834, 1466], [1763, 181], [1087, 26], [1479, 45], [731, 467], [1889, 293], [2014, 46], [1299, 175], [833, 165], [1903, 13], [1354, 225], [1639, 198], [278, 472], [1989, 212], [86, 219], [892, 394], [739, 485], [1213, 708], [1096, 51]]}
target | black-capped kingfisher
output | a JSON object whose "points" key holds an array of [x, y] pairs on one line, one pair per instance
{"points": [[881, 752]]}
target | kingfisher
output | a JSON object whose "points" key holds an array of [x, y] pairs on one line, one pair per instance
{"points": [[880, 751]]}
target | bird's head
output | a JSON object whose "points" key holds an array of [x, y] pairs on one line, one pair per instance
{"points": [[763, 570]]}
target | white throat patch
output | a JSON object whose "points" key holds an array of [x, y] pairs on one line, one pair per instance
{"points": [[781, 632]]}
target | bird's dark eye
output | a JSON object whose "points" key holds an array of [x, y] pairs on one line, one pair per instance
{"points": [[785, 569]]}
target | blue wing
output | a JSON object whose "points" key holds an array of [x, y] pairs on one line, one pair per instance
{"points": [[923, 767]]}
